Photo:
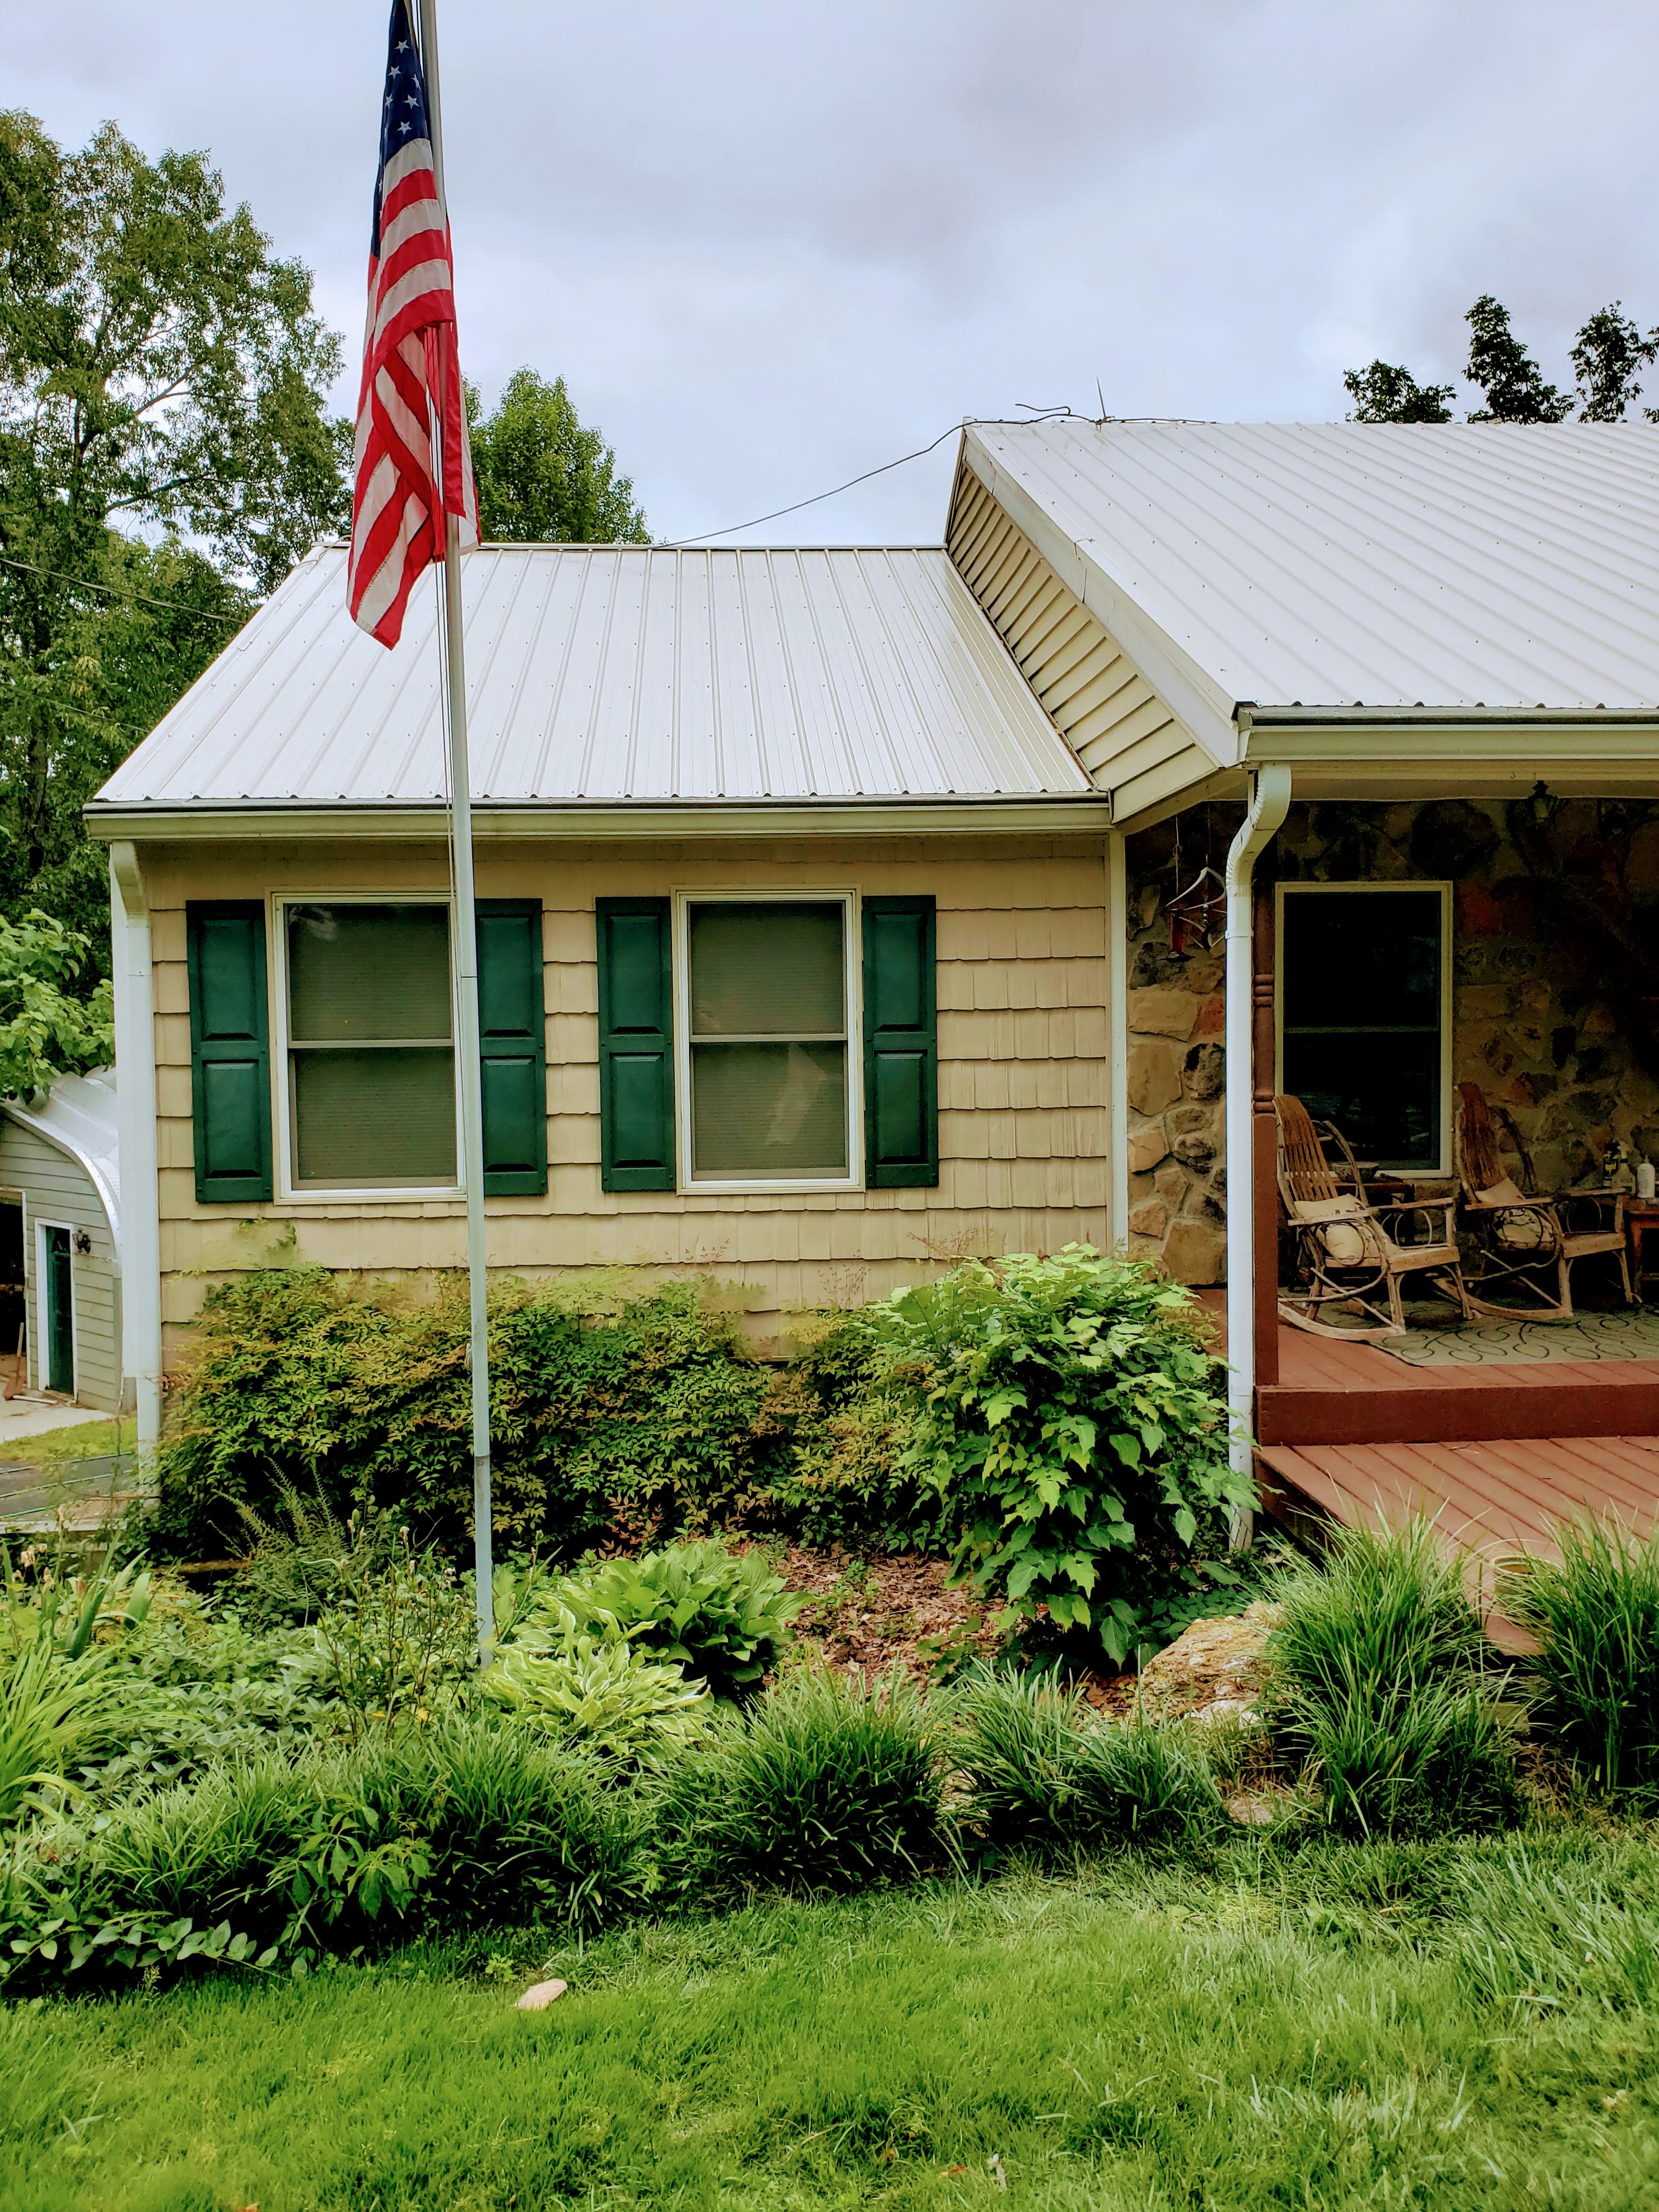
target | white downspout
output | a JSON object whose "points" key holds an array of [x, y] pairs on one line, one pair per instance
{"points": [[135, 1092], [1269, 804]]}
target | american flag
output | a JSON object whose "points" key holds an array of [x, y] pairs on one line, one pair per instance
{"points": [[412, 416]]}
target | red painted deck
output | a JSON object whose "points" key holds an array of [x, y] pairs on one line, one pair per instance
{"points": [[1495, 1454]]}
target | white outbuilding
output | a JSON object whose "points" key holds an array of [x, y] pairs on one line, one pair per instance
{"points": [[60, 1269]]}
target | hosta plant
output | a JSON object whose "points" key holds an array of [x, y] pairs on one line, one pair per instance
{"points": [[1073, 1424], [722, 1615], [604, 1694]]}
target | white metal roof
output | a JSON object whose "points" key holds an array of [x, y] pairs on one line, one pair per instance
{"points": [[619, 674], [1452, 567], [78, 1115]]}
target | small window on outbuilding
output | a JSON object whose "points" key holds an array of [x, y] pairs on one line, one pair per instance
{"points": [[1362, 1000]]}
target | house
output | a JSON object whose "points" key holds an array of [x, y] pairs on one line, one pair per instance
{"points": [[827, 930], [60, 1266]]}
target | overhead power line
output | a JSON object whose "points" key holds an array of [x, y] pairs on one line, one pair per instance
{"points": [[114, 591], [968, 421]]}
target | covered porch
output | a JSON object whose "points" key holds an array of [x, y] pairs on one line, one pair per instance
{"points": [[1531, 924]]}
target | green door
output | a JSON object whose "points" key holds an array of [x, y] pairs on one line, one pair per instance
{"points": [[59, 1314]]}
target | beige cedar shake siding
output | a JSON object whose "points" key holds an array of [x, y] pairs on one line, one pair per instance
{"points": [[1114, 722], [1023, 1063]]}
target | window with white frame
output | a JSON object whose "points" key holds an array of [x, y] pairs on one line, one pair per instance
{"points": [[1364, 1001], [766, 1074], [369, 1048]]}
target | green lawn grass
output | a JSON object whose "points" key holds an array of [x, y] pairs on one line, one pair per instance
{"points": [[75, 1440], [1317, 2030]]}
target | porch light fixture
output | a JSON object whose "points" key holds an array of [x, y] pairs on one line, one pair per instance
{"points": [[1544, 805]]}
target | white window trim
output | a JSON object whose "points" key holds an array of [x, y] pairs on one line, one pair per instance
{"points": [[1444, 887], [386, 1193], [701, 1186], [40, 1358]]}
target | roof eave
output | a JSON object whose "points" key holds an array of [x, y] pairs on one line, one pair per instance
{"points": [[1083, 812]]}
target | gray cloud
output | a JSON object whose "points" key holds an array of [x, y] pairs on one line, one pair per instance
{"points": [[773, 242]]}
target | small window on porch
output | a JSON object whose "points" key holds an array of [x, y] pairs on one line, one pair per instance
{"points": [[1363, 1016]]}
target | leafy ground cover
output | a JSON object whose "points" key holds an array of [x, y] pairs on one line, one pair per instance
{"points": [[1362, 2025]]}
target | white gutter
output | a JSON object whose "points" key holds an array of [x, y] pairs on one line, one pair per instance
{"points": [[1269, 804], [135, 1095]]}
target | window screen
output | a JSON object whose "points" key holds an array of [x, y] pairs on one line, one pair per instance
{"points": [[768, 1039], [371, 1067], [1361, 1018]]}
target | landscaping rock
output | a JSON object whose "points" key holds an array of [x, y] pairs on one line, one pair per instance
{"points": [[540, 1995], [1215, 1665]]}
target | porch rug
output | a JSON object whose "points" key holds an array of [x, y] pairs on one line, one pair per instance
{"points": [[1433, 1341]]}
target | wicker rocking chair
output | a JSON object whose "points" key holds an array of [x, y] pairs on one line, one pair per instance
{"points": [[1352, 1256], [1523, 1245]]}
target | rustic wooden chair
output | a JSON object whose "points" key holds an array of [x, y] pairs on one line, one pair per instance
{"points": [[1523, 1244], [1352, 1256]]}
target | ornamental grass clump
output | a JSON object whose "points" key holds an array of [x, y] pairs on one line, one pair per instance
{"points": [[1380, 1683], [827, 1784], [1044, 1776], [1071, 1421], [1595, 1612]]}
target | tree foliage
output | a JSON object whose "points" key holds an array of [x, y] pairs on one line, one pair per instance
{"points": [[162, 378], [1506, 373], [543, 476], [46, 1032], [1610, 349], [1386, 393], [1607, 356]]}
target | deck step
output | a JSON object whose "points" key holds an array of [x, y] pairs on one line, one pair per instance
{"points": [[1496, 1498], [1373, 1398]]}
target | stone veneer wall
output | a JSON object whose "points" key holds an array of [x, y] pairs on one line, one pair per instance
{"points": [[1555, 987]]}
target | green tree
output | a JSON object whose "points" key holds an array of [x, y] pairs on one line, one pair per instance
{"points": [[44, 1031], [542, 477], [1385, 392], [1609, 351], [1506, 373], [162, 375]]}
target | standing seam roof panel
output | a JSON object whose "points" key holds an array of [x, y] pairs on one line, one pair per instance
{"points": [[619, 673]]}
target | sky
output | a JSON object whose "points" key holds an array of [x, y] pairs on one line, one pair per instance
{"points": [[772, 244]]}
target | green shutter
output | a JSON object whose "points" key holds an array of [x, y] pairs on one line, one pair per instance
{"points": [[636, 1044], [229, 1050], [513, 1047], [901, 1044]]}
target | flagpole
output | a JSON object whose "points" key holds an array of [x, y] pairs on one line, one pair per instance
{"points": [[464, 963]]}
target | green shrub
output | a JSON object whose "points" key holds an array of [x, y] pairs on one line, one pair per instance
{"points": [[606, 1696], [1595, 1612], [626, 1412], [1072, 1424], [825, 1785], [1377, 1681], [846, 1426], [52, 1711], [1044, 1776], [722, 1615]]}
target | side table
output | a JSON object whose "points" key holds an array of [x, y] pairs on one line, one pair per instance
{"points": [[1641, 1219]]}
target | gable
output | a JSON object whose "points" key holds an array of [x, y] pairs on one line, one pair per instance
{"points": [[1121, 731]]}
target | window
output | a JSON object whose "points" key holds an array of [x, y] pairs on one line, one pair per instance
{"points": [[1363, 1035], [766, 1072], [371, 1091]]}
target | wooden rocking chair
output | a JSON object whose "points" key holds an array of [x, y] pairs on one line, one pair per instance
{"points": [[1352, 1256], [1523, 1245]]}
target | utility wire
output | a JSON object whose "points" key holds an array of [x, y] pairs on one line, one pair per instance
{"points": [[968, 421], [114, 591]]}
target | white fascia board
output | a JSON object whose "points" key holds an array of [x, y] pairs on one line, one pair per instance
{"points": [[1401, 754], [1088, 814], [1198, 702]]}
